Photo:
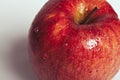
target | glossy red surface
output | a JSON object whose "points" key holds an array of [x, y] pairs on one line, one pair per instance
{"points": [[61, 49]]}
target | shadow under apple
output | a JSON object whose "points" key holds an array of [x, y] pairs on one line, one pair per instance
{"points": [[19, 60]]}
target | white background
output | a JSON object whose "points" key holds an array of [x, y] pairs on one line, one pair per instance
{"points": [[16, 17]]}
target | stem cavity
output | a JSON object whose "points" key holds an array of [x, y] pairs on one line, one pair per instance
{"points": [[87, 19]]}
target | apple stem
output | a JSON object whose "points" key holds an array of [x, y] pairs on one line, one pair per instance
{"points": [[87, 19]]}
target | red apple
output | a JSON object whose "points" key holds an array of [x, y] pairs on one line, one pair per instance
{"points": [[75, 40]]}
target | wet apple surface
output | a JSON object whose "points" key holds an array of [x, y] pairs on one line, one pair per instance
{"points": [[75, 40]]}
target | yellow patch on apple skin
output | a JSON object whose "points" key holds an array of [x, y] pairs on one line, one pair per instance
{"points": [[49, 16], [59, 29], [80, 12], [52, 15]]}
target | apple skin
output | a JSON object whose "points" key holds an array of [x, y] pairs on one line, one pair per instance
{"points": [[63, 49]]}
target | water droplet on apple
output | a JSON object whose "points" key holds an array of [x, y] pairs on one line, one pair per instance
{"points": [[36, 29], [66, 44], [86, 9]]}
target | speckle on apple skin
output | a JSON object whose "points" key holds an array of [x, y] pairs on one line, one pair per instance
{"points": [[61, 49]]}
